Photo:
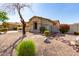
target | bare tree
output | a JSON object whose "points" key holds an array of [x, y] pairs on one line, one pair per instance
{"points": [[17, 7], [12, 7]]}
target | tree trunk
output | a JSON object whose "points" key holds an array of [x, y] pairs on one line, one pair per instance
{"points": [[23, 23], [23, 28]]}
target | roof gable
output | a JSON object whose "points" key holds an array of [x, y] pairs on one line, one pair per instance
{"points": [[53, 21]]}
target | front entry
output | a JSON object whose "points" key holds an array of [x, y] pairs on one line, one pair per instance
{"points": [[35, 26]]}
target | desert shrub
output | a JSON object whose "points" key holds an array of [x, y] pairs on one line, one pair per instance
{"points": [[19, 26], [5, 24], [26, 48], [15, 28], [42, 29], [3, 29], [76, 33], [46, 32], [64, 28]]}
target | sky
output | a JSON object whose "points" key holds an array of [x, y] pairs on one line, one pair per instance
{"points": [[67, 13]]}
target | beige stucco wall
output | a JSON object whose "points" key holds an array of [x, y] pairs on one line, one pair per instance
{"points": [[29, 25], [74, 27], [46, 23]]}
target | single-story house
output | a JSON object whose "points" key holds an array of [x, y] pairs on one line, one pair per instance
{"points": [[12, 25], [0, 25], [34, 24]]}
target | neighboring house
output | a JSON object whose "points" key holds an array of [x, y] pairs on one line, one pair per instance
{"points": [[13, 25], [36, 22], [0, 25], [74, 27]]}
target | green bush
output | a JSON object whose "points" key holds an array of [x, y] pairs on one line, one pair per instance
{"points": [[3, 29], [46, 33], [76, 33], [26, 48], [42, 29], [15, 28]]}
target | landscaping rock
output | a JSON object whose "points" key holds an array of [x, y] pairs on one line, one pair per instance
{"points": [[47, 40]]}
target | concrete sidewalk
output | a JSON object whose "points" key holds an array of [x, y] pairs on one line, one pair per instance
{"points": [[9, 32], [12, 31]]}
